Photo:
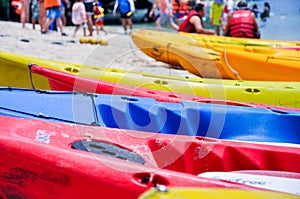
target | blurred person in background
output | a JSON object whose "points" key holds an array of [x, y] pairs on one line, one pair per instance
{"points": [[165, 14], [266, 12], [180, 9], [42, 13], [89, 8], [228, 9], [34, 12], [194, 23], [255, 10], [242, 22], [5, 9], [64, 4], [99, 18], [126, 8], [216, 12], [79, 17], [25, 12], [53, 12]]}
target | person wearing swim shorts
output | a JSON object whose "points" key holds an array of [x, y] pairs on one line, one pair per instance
{"points": [[89, 8], [165, 15], [34, 12], [126, 8], [53, 12]]}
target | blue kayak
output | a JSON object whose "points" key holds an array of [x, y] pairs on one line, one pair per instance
{"points": [[146, 114]]}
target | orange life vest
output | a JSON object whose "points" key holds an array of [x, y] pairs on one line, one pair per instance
{"points": [[17, 6], [51, 3], [180, 8]]}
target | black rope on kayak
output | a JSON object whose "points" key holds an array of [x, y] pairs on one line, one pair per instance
{"points": [[30, 75]]}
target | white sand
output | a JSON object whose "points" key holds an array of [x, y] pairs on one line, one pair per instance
{"points": [[119, 53]]}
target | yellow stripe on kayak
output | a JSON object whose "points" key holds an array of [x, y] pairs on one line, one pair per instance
{"points": [[15, 73], [211, 193]]}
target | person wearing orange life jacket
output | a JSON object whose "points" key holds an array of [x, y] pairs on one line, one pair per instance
{"points": [[242, 22], [180, 9], [53, 13], [194, 23]]}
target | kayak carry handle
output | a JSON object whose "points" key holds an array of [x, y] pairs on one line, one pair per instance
{"points": [[151, 179]]}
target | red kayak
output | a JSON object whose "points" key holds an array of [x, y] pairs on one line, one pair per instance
{"points": [[62, 81], [57, 160]]}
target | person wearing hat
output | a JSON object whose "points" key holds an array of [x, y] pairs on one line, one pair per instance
{"points": [[242, 22], [194, 23]]}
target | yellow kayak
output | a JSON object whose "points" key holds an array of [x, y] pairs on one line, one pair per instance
{"points": [[268, 47], [15, 73], [211, 59], [180, 51], [219, 43], [245, 60], [170, 47], [241, 41], [257, 66], [219, 47], [211, 193]]}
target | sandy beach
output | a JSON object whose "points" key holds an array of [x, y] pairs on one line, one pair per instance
{"points": [[119, 53]]}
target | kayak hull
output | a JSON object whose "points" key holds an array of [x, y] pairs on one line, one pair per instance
{"points": [[231, 60], [62, 81], [146, 114], [39, 156], [16, 74]]}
